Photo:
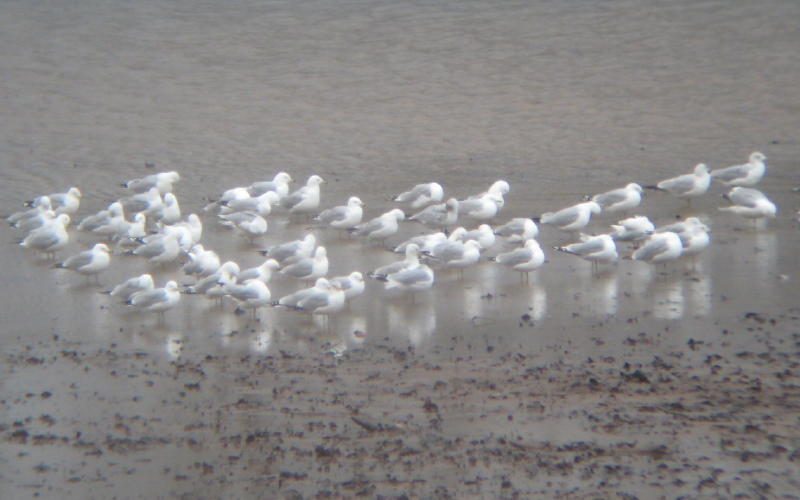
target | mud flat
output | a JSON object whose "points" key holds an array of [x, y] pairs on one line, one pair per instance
{"points": [[385, 421]]}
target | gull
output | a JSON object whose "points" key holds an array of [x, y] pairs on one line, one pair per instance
{"points": [[620, 199], [694, 236], [101, 218], [250, 224], [309, 268], [454, 254], [114, 224], [572, 218], [632, 228], [214, 284], [262, 272], [526, 259], [684, 227], [170, 213], [131, 230], [441, 215], [193, 224], [323, 298], [201, 262], [746, 175], [517, 230], [31, 223], [61, 203], [162, 181], [596, 249], [292, 251], [129, 287], [687, 186], [344, 216], [160, 249], [486, 205], [237, 193], [250, 294], [425, 242], [497, 190], [148, 202], [279, 185], [414, 279], [157, 299], [750, 203], [421, 195], [49, 238], [483, 207], [411, 259], [262, 204], [41, 204], [89, 262], [306, 199], [380, 227], [484, 235], [352, 285], [181, 233], [659, 248]]}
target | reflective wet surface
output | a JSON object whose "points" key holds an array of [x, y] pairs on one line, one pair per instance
{"points": [[560, 100]]}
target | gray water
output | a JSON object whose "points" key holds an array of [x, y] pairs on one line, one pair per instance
{"points": [[562, 99]]}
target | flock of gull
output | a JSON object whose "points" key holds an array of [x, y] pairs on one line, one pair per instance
{"points": [[148, 223]]}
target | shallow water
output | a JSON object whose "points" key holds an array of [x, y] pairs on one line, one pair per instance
{"points": [[562, 100]]}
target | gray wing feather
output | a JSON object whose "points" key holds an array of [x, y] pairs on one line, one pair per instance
{"points": [[509, 228], [410, 276], [730, 173], [433, 213], [370, 227], [414, 193], [146, 299], [586, 248], [678, 185], [448, 251], [332, 214], [44, 239], [280, 252], [78, 261], [747, 197], [470, 204], [514, 257], [314, 300], [244, 293], [394, 267], [610, 197], [651, 249], [258, 188], [293, 199], [299, 269], [562, 217]]}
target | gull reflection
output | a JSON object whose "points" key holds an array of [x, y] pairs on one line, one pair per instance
{"points": [[261, 341], [699, 291], [640, 278], [765, 255], [532, 295], [597, 296], [352, 333], [173, 344], [668, 301], [417, 321]]}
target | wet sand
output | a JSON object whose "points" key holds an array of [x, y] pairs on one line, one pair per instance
{"points": [[637, 383]]}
